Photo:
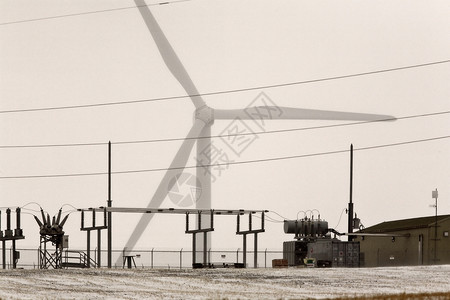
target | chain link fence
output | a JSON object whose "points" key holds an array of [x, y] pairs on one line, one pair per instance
{"points": [[151, 258]]}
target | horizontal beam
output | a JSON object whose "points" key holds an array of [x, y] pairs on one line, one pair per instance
{"points": [[93, 228], [172, 210], [199, 230], [250, 231], [370, 234], [380, 234], [12, 238]]}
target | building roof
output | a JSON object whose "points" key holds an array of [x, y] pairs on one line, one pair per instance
{"points": [[406, 224]]}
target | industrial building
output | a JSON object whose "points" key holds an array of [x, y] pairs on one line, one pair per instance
{"points": [[417, 241]]}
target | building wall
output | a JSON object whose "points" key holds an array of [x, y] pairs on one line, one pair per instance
{"points": [[442, 243], [416, 249]]}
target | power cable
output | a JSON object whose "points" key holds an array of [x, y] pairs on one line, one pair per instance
{"points": [[274, 212], [339, 222], [268, 219], [90, 12], [229, 163], [70, 205], [219, 136], [223, 91], [29, 203]]}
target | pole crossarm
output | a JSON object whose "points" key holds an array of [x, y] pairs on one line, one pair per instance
{"points": [[250, 231]]}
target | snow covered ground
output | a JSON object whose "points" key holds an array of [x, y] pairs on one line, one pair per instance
{"points": [[221, 283]]}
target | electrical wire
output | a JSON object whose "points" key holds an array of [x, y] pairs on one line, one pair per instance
{"points": [[268, 219], [220, 136], [70, 205], [29, 203], [230, 163], [273, 220], [304, 214], [274, 212], [33, 210], [340, 218], [223, 91], [68, 212], [27, 213], [90, 12]]}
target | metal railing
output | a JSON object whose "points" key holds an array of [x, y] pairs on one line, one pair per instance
{"points": [[78, 259]]}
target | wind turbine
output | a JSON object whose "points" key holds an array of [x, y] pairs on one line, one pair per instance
{"points": [[200, 131]]}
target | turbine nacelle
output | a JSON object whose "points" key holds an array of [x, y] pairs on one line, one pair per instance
{"points": [[205, 114]]}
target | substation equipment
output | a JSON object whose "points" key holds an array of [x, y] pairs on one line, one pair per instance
{"points": [[314, 246], [202, 226], [10, 235], [51, 231], [94, 226]]}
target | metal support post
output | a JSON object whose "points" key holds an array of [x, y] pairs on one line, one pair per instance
{"points": [[109, 202], [255, 258], [194, 247], [14, 264], [88, 251], [181, 258], [205, 247], [99, 248], [244, 259], [4, 254], [152, 258]]}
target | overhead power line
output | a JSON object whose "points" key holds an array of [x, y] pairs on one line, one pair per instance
{"points": [[232, 163], [90, 12], [230, 91], [219, 136]]}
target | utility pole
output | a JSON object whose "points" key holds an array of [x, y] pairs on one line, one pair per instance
{"points": [[434, 194], [350, 204], [109, 202]]}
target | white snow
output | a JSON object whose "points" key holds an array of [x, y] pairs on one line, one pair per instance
{"points": [[299, 283]]}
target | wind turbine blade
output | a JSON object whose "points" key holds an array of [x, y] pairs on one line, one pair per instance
{"points": [[289, 113], [166, 183], [169, 56]]}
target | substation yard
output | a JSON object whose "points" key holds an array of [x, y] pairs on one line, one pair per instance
{"points": [[424, 282]]}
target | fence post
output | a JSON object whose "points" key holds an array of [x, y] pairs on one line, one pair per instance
{"points": [[95, 255], [181, 258], [265, 259], [152, 258]]}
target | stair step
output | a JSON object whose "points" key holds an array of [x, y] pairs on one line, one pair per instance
{"points": [[73, 265]]}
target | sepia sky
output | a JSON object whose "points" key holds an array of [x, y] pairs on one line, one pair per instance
{"points": [[59, 59]]}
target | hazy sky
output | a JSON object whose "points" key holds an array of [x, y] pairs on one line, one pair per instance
{"points": [[109, 56]]}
